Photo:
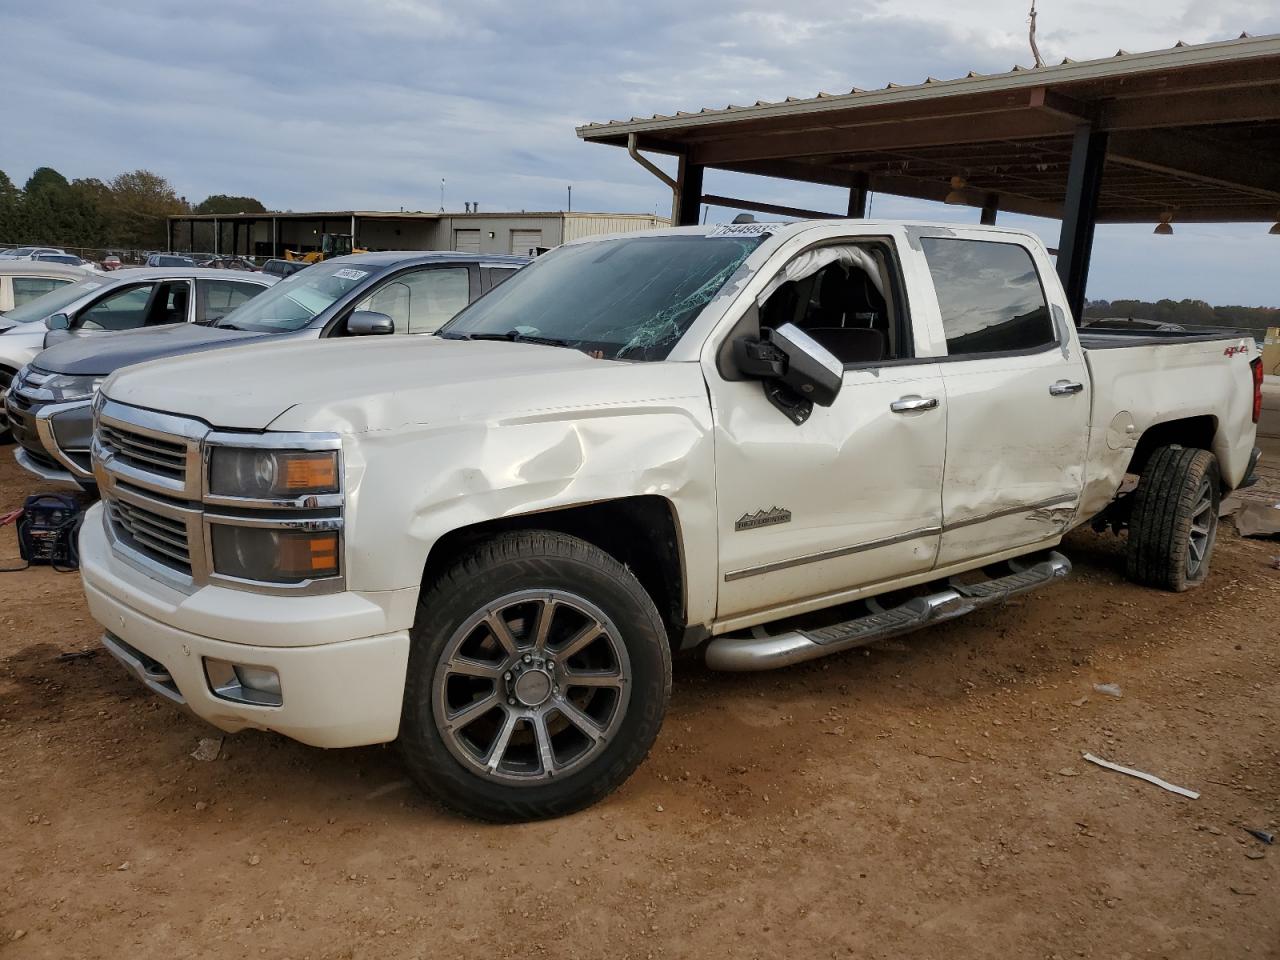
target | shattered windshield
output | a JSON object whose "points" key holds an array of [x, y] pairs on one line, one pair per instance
{"points": [[626, 299]]}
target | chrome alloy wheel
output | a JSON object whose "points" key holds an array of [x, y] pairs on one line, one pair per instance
{"points": [[532, 686], [1204, 525]]}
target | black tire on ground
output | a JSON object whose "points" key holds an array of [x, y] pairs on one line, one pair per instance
{"points": [[1174, 522], [549, 765], [6, 377]]}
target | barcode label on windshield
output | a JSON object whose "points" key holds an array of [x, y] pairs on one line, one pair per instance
{"points": [[743, 230], [346, 273]]}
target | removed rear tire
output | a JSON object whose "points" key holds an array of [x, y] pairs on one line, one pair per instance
{"points": [[539, 674], [1174, 522]]}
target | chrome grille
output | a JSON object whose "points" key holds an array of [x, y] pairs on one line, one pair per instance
{"points": [[162, 539], [151, 454]]}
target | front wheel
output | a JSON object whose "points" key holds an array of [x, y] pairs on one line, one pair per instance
{"points": [[1174, 522], [539, 674]]}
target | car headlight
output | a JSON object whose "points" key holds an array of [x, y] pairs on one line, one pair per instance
{"points": [[66, 387], [272, 474], [272, 555]]}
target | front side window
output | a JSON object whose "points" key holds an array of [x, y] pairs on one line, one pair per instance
{"points": [[990, 296], [26, 289], [631, 298], [122, 310]]}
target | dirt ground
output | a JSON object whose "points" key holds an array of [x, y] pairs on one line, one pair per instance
{"points": [[923, 799]]}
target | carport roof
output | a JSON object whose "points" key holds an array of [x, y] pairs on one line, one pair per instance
{"points": [[1193, 132]]}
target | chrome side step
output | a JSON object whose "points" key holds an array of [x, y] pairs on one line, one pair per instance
{"points": [[763, 651]]}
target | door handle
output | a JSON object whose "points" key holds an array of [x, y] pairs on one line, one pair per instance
{"points": [[913, 403], [1065, 388]]}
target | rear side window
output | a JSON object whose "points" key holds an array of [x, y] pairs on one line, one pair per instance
{"points": [[990, 296], [26, 289]]}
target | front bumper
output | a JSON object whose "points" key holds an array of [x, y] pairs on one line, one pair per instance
{"points": [[56, 438], [343, 689]]}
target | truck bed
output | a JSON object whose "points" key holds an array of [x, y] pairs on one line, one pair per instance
{"points": [[1111, 339]]}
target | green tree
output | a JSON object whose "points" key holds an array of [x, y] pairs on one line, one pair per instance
{"points": [[11, 214], [221, 203], [48, 207], [141, 202]]}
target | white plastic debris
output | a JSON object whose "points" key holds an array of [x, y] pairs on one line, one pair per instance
{"points": [[1110, 689], [1150, 778]]}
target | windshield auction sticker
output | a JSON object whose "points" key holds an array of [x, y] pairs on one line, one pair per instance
{"points": [[743, 230], [346, 273]]}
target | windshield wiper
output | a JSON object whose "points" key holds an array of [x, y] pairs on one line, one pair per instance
{"points": [[515, 336]]}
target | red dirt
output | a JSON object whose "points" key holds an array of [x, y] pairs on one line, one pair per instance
{"points": [[923, 799]]}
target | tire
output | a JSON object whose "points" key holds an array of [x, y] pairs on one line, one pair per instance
{"points": [[1174, 522], [6, 377], [556, 714]]}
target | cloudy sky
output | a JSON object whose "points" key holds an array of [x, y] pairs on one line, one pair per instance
{"points": [[334, 104]]}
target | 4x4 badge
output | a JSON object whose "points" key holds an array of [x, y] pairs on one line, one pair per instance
{"points": [[763, 518]]}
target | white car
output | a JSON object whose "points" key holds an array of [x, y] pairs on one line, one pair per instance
{"points": [[121, 300], [22, 281], [26, 253], [768, 442]]}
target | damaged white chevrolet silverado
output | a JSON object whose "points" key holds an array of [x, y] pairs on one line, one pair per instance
{"points": [[767, 441]]}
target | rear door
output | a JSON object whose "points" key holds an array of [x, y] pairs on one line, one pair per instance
{"points": [[1018, 395]]}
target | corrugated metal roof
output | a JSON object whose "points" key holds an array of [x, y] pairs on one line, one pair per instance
{"points": [[1123, 63]]}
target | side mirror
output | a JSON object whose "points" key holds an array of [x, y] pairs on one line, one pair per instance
{"points": [[794, 359], [58, 321], [363, 323]]}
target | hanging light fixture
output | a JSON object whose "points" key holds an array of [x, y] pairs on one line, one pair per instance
{"points": [[957, 194], [1164, 228]]}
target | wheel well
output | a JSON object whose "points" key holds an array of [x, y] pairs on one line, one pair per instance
{"points": [[639, 532], [1197, 432]]}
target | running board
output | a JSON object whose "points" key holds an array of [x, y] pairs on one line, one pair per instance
{"points": [[764, 652]]}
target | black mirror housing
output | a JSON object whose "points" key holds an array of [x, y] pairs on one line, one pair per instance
{"points": [[364, 323]]}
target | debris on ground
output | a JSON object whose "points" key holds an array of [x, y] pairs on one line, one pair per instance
{"points": [[77, 655], [1254, 854], [1267, 838], [207, 749], [1149, 777], [1258, 520], [1110, 689]]}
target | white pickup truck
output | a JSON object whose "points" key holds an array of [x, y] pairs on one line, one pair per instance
{"points": [[769, 442]]}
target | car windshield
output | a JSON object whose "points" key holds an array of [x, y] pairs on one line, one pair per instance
{"points": [[296, 300], [627, 299], [52, 302]]}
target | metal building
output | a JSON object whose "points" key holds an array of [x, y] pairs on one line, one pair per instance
{"points": [[1187, 134], [271, 234]]}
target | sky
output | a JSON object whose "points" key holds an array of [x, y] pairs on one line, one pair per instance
{"points": [[367, 104]]}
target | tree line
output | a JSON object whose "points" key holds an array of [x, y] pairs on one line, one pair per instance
{"points": [[127, 212], [1188, 313]]}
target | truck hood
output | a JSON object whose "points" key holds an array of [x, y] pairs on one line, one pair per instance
{"points": [[382, 383], [100, 355]]}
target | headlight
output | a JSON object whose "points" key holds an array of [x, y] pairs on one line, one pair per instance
{"points": [[68, 387], [272, 474], [273, 555]]}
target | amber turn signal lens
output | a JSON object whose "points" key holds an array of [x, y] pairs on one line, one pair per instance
{"points": [[309, 555], [312, 471]]}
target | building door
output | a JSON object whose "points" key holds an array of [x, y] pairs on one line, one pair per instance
{"points": [[466, 241], [524, 242]]}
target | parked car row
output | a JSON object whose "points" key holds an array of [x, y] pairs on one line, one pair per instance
{"points": [[764, 442]]}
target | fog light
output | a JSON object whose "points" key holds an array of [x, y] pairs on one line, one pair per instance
{"points": [[243, 683]]}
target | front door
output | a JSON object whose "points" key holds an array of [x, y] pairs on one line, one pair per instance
{"points": [[1017, 400], [852, 496]]}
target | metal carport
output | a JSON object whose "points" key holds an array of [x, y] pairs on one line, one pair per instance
{"points": [[1187, 134]]}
